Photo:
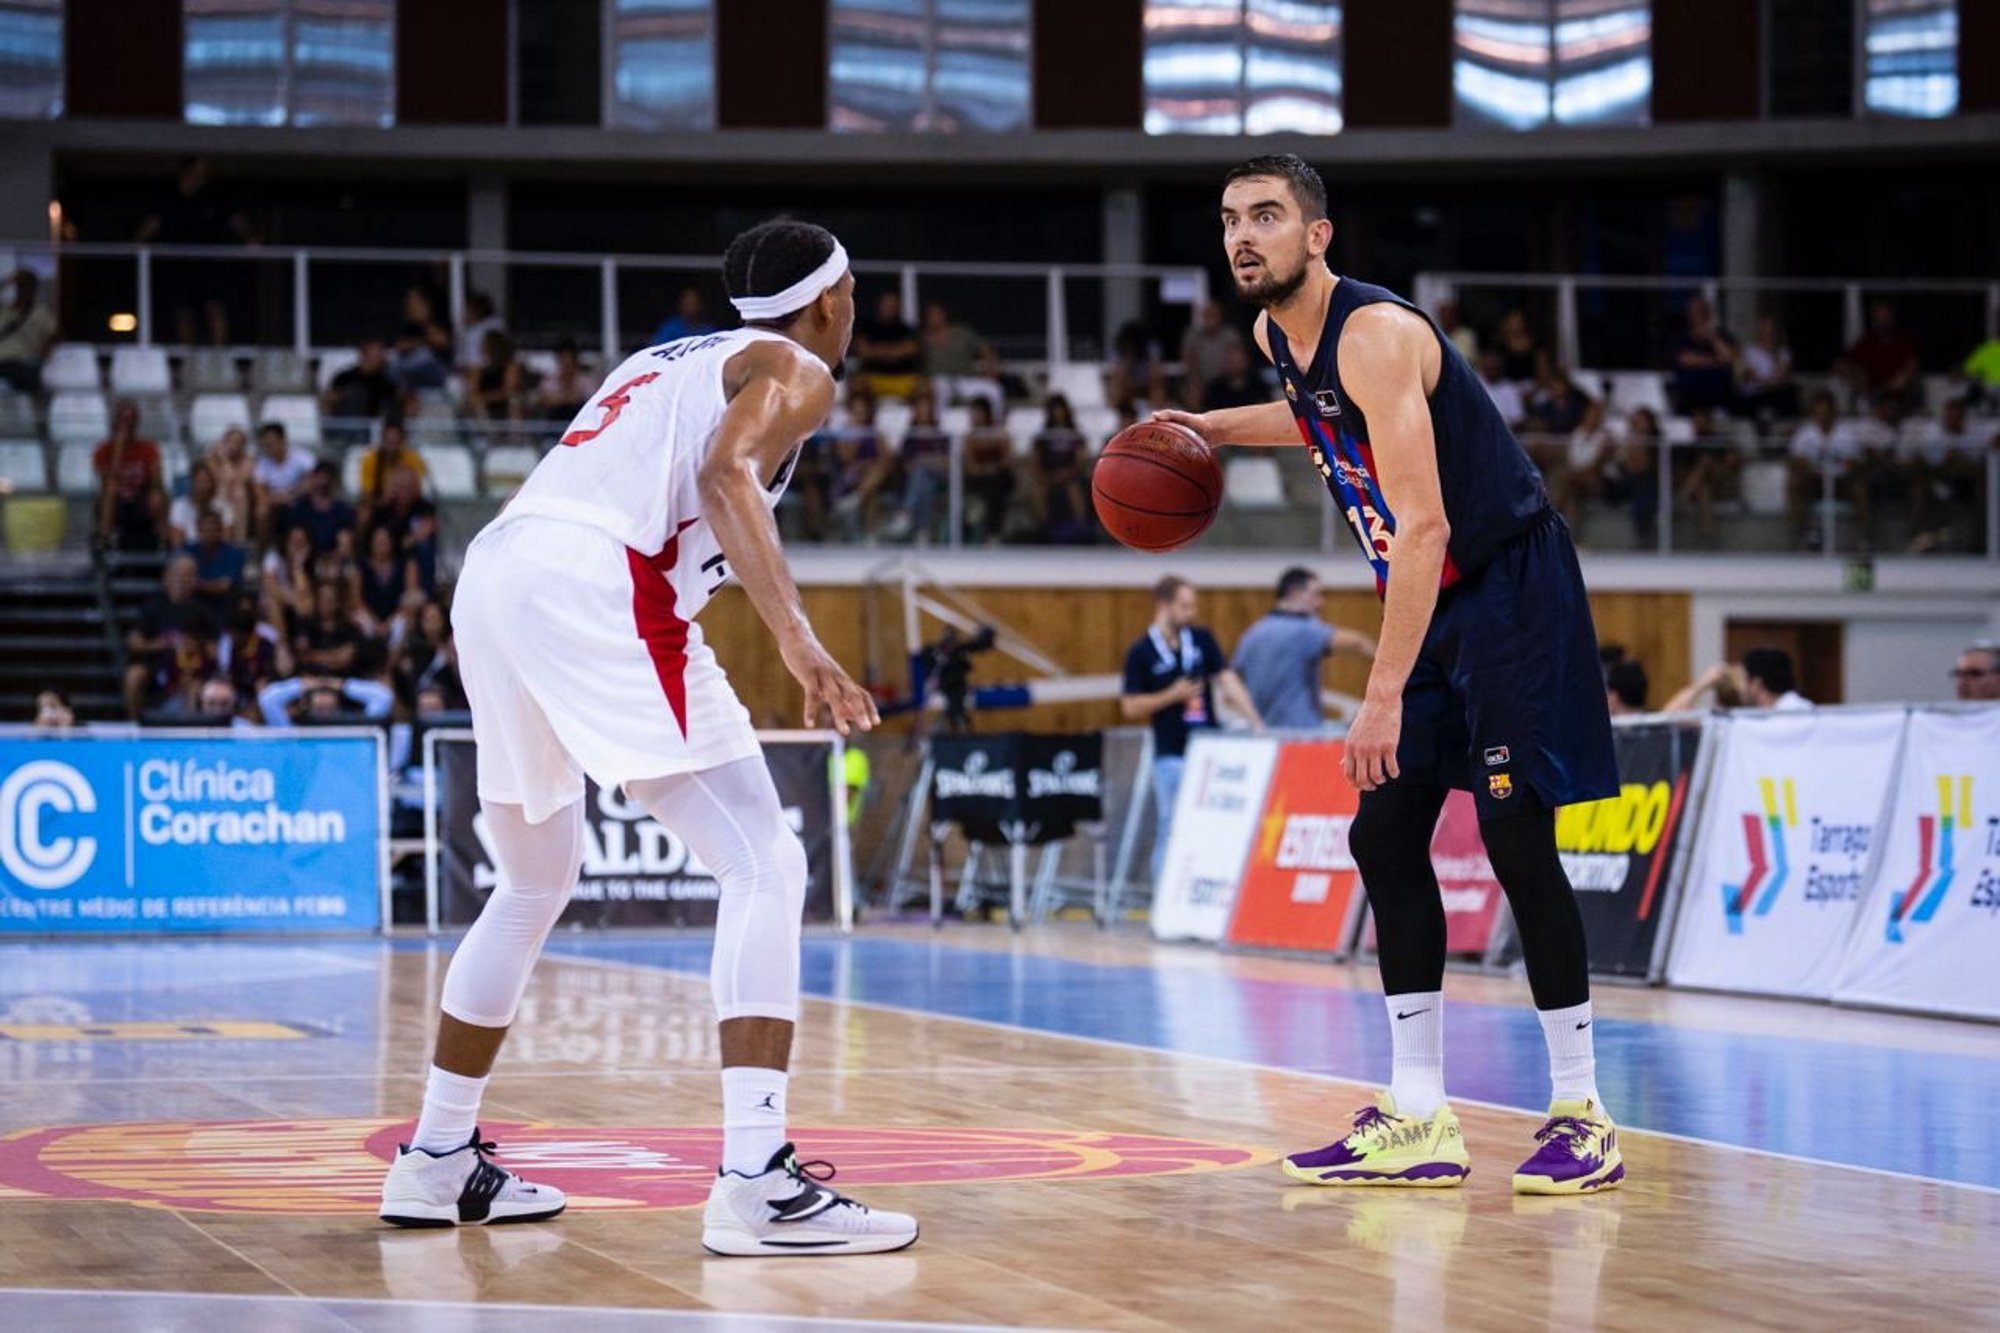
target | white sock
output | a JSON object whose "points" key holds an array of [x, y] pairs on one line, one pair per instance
{"points": [[1416, 1032], [451, 1109], [1572, 1053], [753, 1117]]}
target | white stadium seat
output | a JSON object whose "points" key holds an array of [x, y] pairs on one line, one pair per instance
{"points": [[1097, 424], [210, 370], [1023, 424], [452, 474], [507, 466], [280, 370], [140, 370], [955, 421], [1254, 482], [74, 475], [71, 366], [298, 413], [1082, 382], [350, 471], [1634, 389], [23, 466], [79, 416], [892, 421], [210, 414]]}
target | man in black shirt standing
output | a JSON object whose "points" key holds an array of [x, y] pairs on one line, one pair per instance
{"points": [[1171, 674], [173, 641], [887, 347]]}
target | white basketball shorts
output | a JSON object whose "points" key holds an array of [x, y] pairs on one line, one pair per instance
{"points": [[575, 662]]}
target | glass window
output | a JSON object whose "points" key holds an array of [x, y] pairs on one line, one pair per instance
{"points": [[31, 59], [1526, 64], [290, 62], [1243, 66], [663, 64], [1910, 55], [936, 65]]}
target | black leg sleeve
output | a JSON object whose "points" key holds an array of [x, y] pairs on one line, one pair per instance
{"points": [[1391, 842], [1522, 847]]}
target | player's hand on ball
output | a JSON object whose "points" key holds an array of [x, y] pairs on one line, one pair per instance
{"points": [[1193, 421], [1371, 745], [829, 688]]}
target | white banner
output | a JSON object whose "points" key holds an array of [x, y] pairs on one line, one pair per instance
{"points": [[1792, 814], [1215, 817], [1929, 933]]}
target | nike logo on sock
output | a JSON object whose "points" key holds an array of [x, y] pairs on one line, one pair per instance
{"points": [[1412, 1014], [1584, 1024]]}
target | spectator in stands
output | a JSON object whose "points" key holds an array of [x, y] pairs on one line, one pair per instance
{"points": [[1555, 408], [391, 451], [1711, 469], [563, 392], [327, 519], [388, 577], [1981, 371], [131, 499], [496, 390], [412, 519], [480, 320], [1705, 361], [1239, 384], [1882, 362], [323, 697], [1763, 679], [1507, 397], [415, 365], [213, 701], [427, 659], [202, 497], [1279, 657], [253, 652], [1764, 376], [27, 331], [1461, 335], [52, 712], [925, 455], [276, 476], [960, 364], [360, 394], [888, 349], [1056, 457], [172, 642], [857, 466], [989, 475], [421, 308], [1858, 452], [1205, 358], [1625, 687], [232, 461], [1636, 476], [1136, 379], [194, 213], [218, 565], [1944, 462], [1172, 674], [1517, 348], [1725, 679], [1976, 678], [330, 641], [1588, 469], [689, 320]]}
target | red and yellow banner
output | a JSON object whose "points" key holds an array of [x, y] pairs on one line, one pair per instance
{"points": [[1299, 883]]}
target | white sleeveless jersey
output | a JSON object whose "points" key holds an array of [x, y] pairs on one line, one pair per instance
{"points": [[629, 464]]}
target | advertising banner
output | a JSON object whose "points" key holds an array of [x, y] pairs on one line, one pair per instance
{"points": [[1929, 931], [1299, 889], [1792, 815], [1215, 817], [1017, 786], [635, 872], [1620, 852], [141, 833]]}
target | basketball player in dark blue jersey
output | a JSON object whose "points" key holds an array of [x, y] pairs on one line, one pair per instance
{"points": [[1486, 675]]}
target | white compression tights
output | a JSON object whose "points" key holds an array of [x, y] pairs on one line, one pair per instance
{"points": [[729, 817]]}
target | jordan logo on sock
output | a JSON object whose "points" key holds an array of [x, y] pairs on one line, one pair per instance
{"points": [[770, 1102]]}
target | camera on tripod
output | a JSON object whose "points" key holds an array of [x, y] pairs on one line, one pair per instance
{"points": [[948, 663]]}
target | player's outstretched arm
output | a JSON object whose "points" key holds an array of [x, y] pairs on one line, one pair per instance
{"points": [[1263, 423], [778, 395], [1382, 362]]}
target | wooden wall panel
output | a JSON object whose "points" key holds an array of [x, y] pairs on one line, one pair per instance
{"points": [[1089, 629]]}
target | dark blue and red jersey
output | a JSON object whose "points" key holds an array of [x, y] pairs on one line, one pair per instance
{"points": [[1492, 490]]}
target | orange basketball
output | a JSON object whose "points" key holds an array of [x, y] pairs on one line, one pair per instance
{"points": [[1156, 486]]}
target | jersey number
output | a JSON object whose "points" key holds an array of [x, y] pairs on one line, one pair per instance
{"points": [[612, 405], [1369, 527]]}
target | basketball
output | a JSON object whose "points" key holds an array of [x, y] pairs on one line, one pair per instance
{"points": [[1156, 486]]}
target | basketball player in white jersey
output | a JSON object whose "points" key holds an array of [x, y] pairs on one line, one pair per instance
{"points": [[574, 620]]}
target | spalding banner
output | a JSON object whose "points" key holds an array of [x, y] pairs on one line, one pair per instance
{"points": [[1791, 818], [1619, 852], [142, 832], [1929, 933], [635, 871], [1299, 886], [1016, 786]]}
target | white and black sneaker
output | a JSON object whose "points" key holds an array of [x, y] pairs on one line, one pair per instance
{"points": [[427, 1189], [786, 1209]]}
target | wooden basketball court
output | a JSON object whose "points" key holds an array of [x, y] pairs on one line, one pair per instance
{"points": [[191, 1136]]}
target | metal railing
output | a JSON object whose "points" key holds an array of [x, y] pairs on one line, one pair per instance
{"points": [[124, 282]]}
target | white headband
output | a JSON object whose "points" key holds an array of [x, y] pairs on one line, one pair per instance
{"points": [[797, 296]]}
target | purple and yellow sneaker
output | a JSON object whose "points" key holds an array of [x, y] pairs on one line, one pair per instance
{"points": [[1579, 1153], [1385, 1148]]}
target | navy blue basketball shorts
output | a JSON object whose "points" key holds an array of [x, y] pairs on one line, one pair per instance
{"points": [[1507, 697]]}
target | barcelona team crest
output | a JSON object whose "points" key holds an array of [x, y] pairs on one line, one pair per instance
{"points": [[1500, 785], [335, 1165]]}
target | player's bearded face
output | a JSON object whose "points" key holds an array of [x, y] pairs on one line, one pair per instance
{"points": [[1266, 278]]}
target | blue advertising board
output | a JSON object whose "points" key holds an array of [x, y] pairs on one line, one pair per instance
{"points": [[147, 832]]}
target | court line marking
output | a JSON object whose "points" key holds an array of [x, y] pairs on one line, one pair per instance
{"points": [[758, 1318], [654, 1073], [1232, 1062]]}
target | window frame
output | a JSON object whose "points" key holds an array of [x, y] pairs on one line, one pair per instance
{"points": [[1464, 119], [288, 73], [928, 111], [607, 76]]}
